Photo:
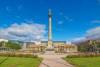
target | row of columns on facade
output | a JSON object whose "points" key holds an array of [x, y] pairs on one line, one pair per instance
{"points": [[40, 48], [66, 48], [6, 49]]}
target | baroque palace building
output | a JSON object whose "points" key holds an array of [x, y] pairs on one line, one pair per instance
{"points": [[57, 46]]}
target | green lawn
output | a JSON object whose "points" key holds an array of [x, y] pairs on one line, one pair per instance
{"points": [[19, 62], [84, 62]]}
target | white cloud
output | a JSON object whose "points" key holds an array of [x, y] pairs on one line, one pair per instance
{"points": [[24, 32], [79, 39], [93, 33], [67, 18]]}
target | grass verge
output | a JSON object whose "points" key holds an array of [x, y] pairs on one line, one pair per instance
{"points": [[20, 62], [84, 61]]}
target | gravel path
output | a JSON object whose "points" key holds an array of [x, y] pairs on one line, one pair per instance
{"points": [[54, 60]]}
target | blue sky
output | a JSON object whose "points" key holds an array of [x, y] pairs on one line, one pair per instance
{"points": [[71, 18]]}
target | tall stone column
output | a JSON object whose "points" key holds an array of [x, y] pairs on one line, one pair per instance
{"points": [[50, 29]]}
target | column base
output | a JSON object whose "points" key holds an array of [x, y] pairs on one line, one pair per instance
{"points": [[50, 48]]}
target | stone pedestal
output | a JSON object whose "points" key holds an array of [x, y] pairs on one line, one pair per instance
{"points": [[50, 46], [49, 53]]}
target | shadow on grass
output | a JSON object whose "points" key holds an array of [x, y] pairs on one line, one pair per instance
{"points": [[3, 60]]}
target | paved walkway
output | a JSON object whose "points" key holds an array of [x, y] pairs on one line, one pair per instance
{"points": [[54, 61]]}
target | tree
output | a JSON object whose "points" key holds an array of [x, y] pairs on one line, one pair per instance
{"points": [[89, 46], [94, 44], [13, 45], [2, 44], [83, 46]]}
